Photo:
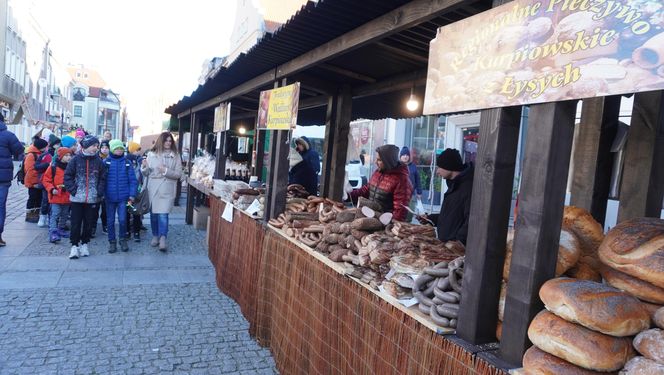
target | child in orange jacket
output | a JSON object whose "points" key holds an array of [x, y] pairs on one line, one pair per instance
{"points": [[58, 197]]}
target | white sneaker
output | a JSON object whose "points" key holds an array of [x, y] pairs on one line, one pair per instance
{"points": [[43, 221], [84, 250], [73, 254]]}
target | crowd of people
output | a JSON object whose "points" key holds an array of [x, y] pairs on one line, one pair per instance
{"points": [[72, 182]]}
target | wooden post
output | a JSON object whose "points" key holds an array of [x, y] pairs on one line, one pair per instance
{"points": [[178, 189], [593, 159], [278, 174], [220, 166], [335, 146], [489, 220], [193, 146], [541, 200], [642, 184]]}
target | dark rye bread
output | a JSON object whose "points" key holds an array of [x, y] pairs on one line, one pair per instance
{"points": [[636, 247], [539, 362], [595, 306], [579, 345]]}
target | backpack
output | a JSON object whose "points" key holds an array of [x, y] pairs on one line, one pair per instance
{"points": [[20, 174]]}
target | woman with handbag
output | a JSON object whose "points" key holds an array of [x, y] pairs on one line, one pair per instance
{"points": [[163, 170]]}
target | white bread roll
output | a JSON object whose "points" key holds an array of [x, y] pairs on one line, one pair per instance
{"points": [[650, 344], [642, 366], [595, 306], [538, 362], [579, 345], [585, 227], [569, 251], [636, 247], [658, 318], [640, 289]]}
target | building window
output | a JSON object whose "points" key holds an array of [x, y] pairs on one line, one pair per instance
{"points": [[78, 111]]}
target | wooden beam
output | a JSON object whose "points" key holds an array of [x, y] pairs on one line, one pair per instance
{"points": [[395, 83], [643, 173], [246, 87], [403, 53], [193, 147], [316, 101], [184, 114], [347, 73], [220, 166], [402, 18], [314, 83], [278, 174], [335, 146], [178, 189], [537, 231], [488, 223], [593, 160]]}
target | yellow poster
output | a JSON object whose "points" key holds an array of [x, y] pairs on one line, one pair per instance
{"points": [[278, 108]]}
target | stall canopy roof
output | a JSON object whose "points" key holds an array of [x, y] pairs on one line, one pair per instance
{"points": [[380, 73]]}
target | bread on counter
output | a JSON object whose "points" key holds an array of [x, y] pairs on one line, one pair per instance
{"points": [[650, 344], [595, 306], [538, 362], [658, 318], [636, 247], [642, 366], [579, 345], [640, 289]]}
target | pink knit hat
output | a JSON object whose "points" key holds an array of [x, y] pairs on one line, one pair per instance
{"points": [[80, 133]]}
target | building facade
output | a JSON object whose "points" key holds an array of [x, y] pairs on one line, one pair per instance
{"points": [[12, 63]]}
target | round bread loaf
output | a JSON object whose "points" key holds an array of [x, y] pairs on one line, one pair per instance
{"points": [[538, 362], [642, 366], [585, 227], [579, 345], [643, 290], [658, 318], [651, 309], [650, 344], [584, 270], [569, 251], [636, 247], [595, 306]]}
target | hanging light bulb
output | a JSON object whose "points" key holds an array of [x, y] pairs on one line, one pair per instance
{"points": [[412, 104], [242, 130]]}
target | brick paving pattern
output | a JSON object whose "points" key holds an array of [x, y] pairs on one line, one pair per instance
{"points": [[141, 312]]}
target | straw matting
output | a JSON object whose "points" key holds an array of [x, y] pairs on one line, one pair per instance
{"points": [[235, 250], [317, 321]]}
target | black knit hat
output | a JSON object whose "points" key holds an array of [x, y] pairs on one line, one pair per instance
{"points": [[40, 143], [89, 140], [450, 160]]}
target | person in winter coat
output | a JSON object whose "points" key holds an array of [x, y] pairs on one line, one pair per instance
{"points": [[163, 169], [301, 173], [104, 151], [9, 147], [32, 181], [452, 222], [389, 186], [43, 162], [85, 180], [135, 221], [414, 175], [79, 135], [121, 185], [309, 155], [58, 197]]}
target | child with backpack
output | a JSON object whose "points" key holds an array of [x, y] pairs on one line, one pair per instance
{"points": [[43, 162], [120, 189], [58, 196], [85, 180], [30, 178]]}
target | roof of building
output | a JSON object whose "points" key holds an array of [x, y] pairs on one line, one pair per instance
{"points": [[87, 76]]}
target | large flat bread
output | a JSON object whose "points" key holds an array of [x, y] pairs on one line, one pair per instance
{"points": [[595, 306], [650, 344], [636, 247], [585, 227], [539, 362], [640, 289], [579, 345], [642, 366]]}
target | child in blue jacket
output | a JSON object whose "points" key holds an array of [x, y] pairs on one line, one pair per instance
{"points": [[121, 185]]}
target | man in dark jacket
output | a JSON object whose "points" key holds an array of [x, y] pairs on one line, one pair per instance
{"points": [[9, 146], [301, 173], [309, 155], [452, 222], [389, 186]]}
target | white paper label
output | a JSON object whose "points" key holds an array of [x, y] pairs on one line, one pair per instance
{"points": [[254, 207], [228, 213]]}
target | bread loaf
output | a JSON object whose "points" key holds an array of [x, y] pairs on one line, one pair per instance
{"points": [[584, 270], [638, 288], [651, 309], [658, 318], [650, 344], [588, 231], [579, 345], [569, 251], [595, 306], [636, 247], [499, 330], [501, 300], [538, 362], [642, 366]]}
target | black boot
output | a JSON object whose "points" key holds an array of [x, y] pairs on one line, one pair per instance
{"points": [[123, 245], [137, 237], [112, 247]]}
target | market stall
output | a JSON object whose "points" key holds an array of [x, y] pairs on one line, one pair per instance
{"points": [[326, 308]]}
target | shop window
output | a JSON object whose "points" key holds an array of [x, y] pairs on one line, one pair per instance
{"points": [[78, 111]]}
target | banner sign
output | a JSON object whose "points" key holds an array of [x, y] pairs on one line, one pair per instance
{"points": [[278, 108], [222, 117], [535, 51]]}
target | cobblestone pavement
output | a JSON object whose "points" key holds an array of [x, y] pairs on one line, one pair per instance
{"points": [[141, 312]]}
